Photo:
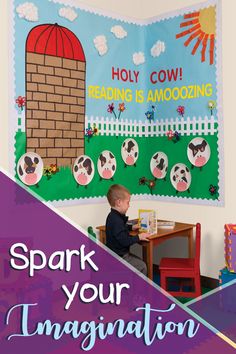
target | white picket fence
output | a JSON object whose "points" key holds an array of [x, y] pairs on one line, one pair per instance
{"points": [[124, 127]]}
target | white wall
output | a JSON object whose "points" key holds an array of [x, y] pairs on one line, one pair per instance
{"points": [[211, 218]]}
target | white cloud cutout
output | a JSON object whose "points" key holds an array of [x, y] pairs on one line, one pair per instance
{"points": [[118, 32], [28, 11], [100, 43], [138, 58], [158, 48], [68, 13]]}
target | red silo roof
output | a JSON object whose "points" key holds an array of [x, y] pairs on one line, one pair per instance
{"points": [[54, 40]]}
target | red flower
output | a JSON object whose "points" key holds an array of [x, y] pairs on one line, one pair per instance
{"points": [[181, 110], [121, 107], [110, 108], [170, 134], [20, 101]]}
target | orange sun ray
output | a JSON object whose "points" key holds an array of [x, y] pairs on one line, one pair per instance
{"points": [[200, 29], [212, 47], [197, 43], [193, 14], [194, 35], [190, 30], [204, 45], [188, 23]]}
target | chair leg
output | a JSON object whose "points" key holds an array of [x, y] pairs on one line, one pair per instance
{"points": [[163, 281], [197, 282]]}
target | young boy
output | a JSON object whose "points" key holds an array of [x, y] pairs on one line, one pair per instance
{"points": [[117, 230]]}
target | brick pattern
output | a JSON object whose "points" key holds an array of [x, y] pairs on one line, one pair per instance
{"points": [[55, 108]]}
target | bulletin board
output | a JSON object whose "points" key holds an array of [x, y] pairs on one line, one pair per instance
{"points": [[97, 99]]}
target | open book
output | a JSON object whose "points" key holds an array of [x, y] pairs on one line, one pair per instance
{"points": [[165, 224], [147, 221]]}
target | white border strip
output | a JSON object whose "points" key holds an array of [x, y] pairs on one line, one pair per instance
{"points": [[142, 22]]}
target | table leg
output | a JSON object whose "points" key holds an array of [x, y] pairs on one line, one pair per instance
{"points": [[148, 258], [190, 243]]}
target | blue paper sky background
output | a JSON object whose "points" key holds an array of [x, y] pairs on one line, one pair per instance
{"points": [[120, 51]]}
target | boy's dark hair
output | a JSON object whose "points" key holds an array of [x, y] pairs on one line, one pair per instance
{"points": [[115, 192]]}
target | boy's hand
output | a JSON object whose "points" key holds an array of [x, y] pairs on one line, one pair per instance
{"points": [[135, 227], [144, 236]]}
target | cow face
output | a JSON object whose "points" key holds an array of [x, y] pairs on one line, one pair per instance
{"points": [[198, 152], [159, 165], [30, 168], [106, 164], [83, 170], [129, 151], [180, 177]]}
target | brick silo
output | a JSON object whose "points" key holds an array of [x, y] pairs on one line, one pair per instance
{"points": [[55, 94]]}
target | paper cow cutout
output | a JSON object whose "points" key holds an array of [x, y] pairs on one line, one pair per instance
{"points": [[198, 152], [30, 168], [180, 177], [129, 152], [106, 165], [83, 170], [159, 165]]}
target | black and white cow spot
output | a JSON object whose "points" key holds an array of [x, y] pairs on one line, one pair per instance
{"points": [[180, 177], [30, 168], [83, 170], [129, 151], [159, 165], [198, 152], [106, 164]]}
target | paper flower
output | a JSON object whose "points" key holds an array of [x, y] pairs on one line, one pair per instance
{"points": [[150, 183], [211, 106], [181, 110], [213, 189], [95, 130], [121, 107], [111, 109], [28, 11], [54, 168], [20, 101], [68, 13], [149, 115], [91, 131], [170, 134], [177, 136], [118, 32], [157, 49], [48, 171], [100, 43], [138, 58]]}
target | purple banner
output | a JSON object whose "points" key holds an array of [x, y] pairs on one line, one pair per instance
{"points": [[60, 292]]}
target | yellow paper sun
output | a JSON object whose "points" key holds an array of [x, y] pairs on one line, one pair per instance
{"points": [[201, 28]]}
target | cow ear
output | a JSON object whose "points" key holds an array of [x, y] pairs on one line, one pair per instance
{"points": [[20, 171], [176, 168], [191, 146], [28, 161], [155, 157]]}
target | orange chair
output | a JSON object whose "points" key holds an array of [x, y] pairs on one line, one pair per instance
{"points": [[183, 268]]}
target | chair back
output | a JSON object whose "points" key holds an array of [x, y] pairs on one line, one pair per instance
{"points": [[197, 246]]}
